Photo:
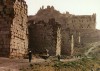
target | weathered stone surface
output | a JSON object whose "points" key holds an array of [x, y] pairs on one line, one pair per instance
{"points": [[13, 27], [58, 44], [43, 36]]}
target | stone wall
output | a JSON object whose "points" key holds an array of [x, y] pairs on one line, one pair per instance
{"points": [[69, 40], [13, 27], [81, 22], [43, 36], [6, 17], [89, 36], [19, 39]]}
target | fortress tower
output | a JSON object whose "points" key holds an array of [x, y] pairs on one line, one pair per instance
{"points": [[13, 28]]}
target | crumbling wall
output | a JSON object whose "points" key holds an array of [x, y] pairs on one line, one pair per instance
{"points": [[6, 17], [82, 22], [67, 41], [89, 36], [19, 39], [13, 27], [43, 36]]}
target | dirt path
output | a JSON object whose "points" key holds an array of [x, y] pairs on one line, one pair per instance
{"points": [[93, 46], [7, 64]]}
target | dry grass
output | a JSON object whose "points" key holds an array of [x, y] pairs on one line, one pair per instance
{"points": [[84, 64]]}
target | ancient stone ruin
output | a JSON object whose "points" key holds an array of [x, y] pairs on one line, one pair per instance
{"points": [[47, 31], [74, 31], [43, 36], [13, 28]]}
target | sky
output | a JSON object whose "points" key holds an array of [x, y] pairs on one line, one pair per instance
{"points": [[77, 7]]}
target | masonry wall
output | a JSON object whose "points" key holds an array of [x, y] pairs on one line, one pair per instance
{"points": [[66, 42], [43, 36], [89, 36], [81, 22], [13, 27], [6, 17], [19, 39]]}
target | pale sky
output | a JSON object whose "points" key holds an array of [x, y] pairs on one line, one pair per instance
{"points": [[78, 7]]}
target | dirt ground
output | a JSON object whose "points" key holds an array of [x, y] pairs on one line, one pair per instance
{"points": [[7, 64], [39, 64]]}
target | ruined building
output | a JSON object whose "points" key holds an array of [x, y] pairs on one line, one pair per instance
{"points": [[43, 35], [74, 30], [47, 30], [13, 28]]}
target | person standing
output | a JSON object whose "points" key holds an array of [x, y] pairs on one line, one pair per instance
{"points": [[58, 57], [30, 56]]}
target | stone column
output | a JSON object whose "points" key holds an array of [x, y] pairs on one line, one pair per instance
{"points": [[58, 46], [79, 38], [72, 44]]}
